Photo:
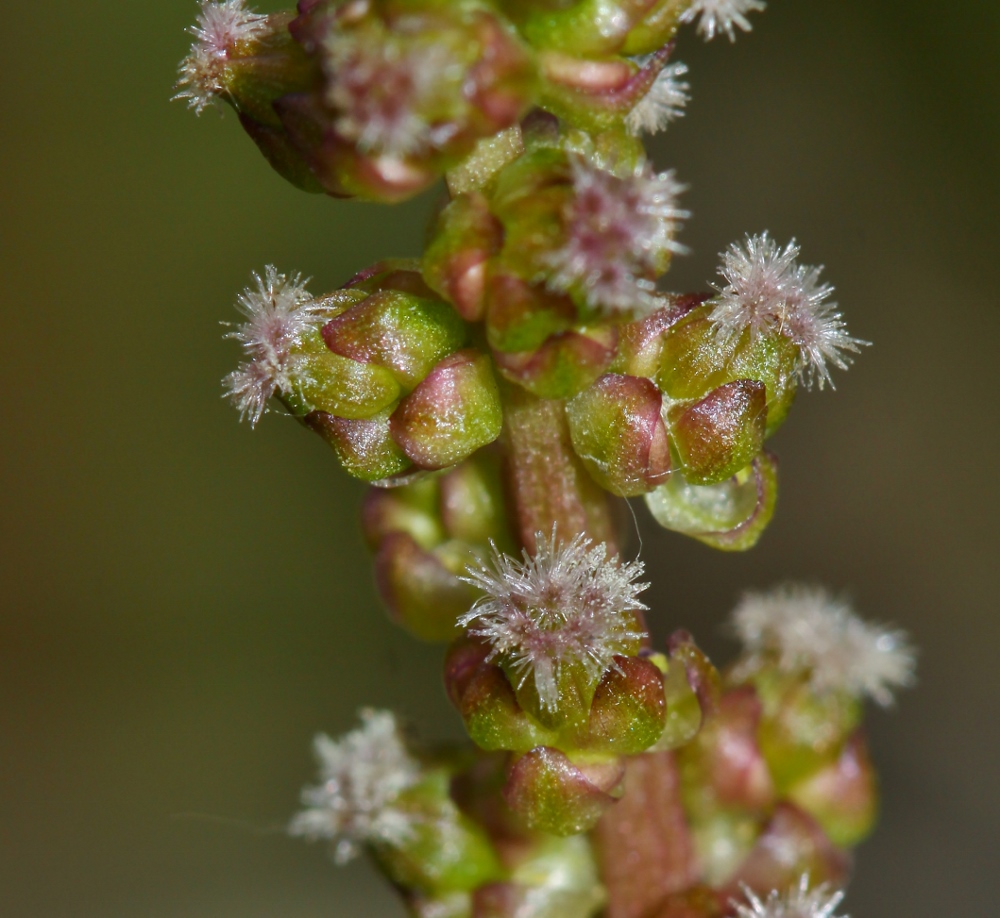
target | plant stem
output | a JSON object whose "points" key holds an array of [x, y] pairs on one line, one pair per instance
{"points": [[548, 484]]}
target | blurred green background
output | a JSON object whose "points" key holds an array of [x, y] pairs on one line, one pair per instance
{"points": [[187, 601]]}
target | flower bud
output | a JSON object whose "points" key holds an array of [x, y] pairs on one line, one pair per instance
{"points": [[721, 434], [452, 413], [640, 343], [589, 29], [554, 794], [629, 710], [466, 236], [364, 446], [422, 592], [842, 797], [250, 61], [375, 794], [406, 92], [554, 878], [406, 335], [731, 515], [423, 543], [792, 844], [618, 433]]}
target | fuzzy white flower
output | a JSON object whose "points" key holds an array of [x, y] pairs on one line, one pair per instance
{"points": [[766, 290], [618, 231], [567, 604], [280, 312], [808, 630], [381, 84], [663, 103], [363, 773], [219, 28], [800, 902], [718, 16]]}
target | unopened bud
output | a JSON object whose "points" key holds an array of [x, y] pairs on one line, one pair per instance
{"points": [[452, 413], [618, 433], [554, 794], [721, 434]]}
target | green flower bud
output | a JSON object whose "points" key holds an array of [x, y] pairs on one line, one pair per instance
{"points": [[618, 433], [629, 710], [598, 27], [466, 236], [721, 434], [422, 592], [364, 446], [425, 535], [406, 335], [731, 515], [554, 794], [842, 797], [452, 413], [556, 878], [375, 794]]}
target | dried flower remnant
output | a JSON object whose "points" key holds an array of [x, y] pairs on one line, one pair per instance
{"points": [[808, 630], [567, 604], [800, 902], [280, 312], [768, 291], [718, 16], [619, 236], [663, 104], [220, 27], [362, 775]]}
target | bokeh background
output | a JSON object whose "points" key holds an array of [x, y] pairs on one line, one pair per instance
{"points": [[186, 601]]}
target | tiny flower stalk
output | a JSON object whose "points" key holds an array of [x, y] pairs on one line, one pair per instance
{"points": [[498, 394]]}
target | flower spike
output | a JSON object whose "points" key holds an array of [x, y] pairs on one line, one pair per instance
{"points": [[569, 604], [280, 312], [800, 902], [768, 291], [809, 630], [718, 16], [362, 774], [220, 27]]}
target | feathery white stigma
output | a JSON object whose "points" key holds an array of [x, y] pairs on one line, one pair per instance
{"points": [[280, 312], [718, 16], [663, 103], [768, 291], [363, 773], [568, 604], [808, 630], [220, 27], [382, 86], [801, 902], [618, 234]]}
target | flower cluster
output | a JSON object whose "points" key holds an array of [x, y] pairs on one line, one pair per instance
{"points": [[497, 394]]}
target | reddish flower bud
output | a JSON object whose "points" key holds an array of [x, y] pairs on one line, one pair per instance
{"points": [[405, 334], [364, 446], [720, 434], [629, 709], [792, 844], [553, 794], [618, 433], [842, 797], [422, 594], [466, 236], [452, 413]]}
